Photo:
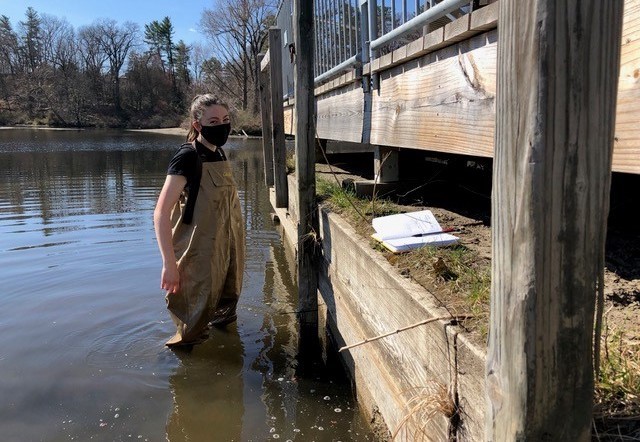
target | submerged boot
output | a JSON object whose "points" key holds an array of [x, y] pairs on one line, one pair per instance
{"points": [[225, 315]]}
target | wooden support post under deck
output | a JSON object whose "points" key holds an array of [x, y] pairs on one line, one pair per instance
{"points": [[277, 118], [385, 165], [267, 135], [558, 63], [308, 230]]}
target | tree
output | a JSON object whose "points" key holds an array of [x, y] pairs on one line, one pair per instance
{"points": [[221, 79], [116, 42], [58, 43], [93, 60], [31, 40], [183, 61], [199, 55], [147, 85], [8, 47], [60, 56], [153, 38], [238, 29], [8, 59], [159, 36]]}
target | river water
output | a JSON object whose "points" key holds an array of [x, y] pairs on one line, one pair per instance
{"points": [[83, 320]]}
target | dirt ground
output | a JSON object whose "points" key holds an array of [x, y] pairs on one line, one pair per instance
{"points": [[622, 269]]}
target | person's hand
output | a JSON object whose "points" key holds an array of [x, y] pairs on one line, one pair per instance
{"points": [[170, 279]]}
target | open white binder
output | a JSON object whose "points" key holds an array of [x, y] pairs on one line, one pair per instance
{"points": [[406, 231]]}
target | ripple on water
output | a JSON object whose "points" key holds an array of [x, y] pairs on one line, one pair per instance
{"points": [[137, 352]]}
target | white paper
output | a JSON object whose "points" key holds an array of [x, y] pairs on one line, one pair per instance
{"points": [[402, 225], [406, 231]]}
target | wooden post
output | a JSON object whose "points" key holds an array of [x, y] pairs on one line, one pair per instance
{"points": [[386, 167], [267, 135], [308, 229], [558, 63], [277, 118]]}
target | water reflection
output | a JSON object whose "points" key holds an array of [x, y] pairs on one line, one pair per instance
{"points": [[86, 324], [206, 387]]}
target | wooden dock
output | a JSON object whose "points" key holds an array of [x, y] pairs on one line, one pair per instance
{"points": [[438, 93], [555, 131]]}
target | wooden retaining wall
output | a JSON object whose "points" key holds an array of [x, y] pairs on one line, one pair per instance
{"points": [[361, 295]]}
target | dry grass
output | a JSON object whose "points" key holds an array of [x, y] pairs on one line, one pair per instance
{"points": [[458, 277], [619, 382], [359, 212], [290, 161], [617, 393], [426, 404]]}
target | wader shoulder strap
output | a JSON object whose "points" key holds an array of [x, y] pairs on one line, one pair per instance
{"points": [[193, 187]]}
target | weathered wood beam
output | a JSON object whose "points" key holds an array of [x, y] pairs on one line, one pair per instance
{"points": [[308, 230], [558, 64], [267, 135], [277, 118], [264, 63]]}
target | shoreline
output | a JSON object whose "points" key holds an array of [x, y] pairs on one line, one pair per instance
{"points": [[162, 130], [40, 128], [165, 131]]}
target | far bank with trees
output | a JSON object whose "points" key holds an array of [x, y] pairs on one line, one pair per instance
{"points": [[111, 74]]}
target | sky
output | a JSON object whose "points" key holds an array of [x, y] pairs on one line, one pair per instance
{"points": [[184, 15]]}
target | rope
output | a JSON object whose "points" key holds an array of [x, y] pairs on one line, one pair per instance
{"points": [[453, 320]]}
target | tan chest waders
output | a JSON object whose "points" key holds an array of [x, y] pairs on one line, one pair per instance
{"points": [[210, 252]]}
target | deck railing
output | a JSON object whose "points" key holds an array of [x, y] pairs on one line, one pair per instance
{"points": [[350, 33]]}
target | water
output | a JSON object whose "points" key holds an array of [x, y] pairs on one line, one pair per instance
{"points": [[83, 320]]}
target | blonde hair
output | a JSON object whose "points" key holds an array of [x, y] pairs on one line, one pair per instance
{"points": [[198, 106]]}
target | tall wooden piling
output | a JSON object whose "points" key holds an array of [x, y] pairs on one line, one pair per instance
{"points": [[265, 113], [558, 63], [277, 118], [308, 230]]}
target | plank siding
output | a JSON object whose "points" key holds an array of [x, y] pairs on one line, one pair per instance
{"points": [[626, 151], [341, 113], [444, 101]]}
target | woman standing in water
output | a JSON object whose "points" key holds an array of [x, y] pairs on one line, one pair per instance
{"points": [[199, 228]]}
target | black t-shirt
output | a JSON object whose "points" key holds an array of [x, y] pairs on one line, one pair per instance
{"points": [[184, 162]]}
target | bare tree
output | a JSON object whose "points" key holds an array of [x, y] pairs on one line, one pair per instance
{"points": [[116, 42], [147, 86], [93, 59], [199, 55], [238, 29], [59, 47]]}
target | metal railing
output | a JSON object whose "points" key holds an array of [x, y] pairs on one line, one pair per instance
{"points": [[350, 33]]}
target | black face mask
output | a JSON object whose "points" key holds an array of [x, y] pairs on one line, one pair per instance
{"points": [[216, 135]]}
